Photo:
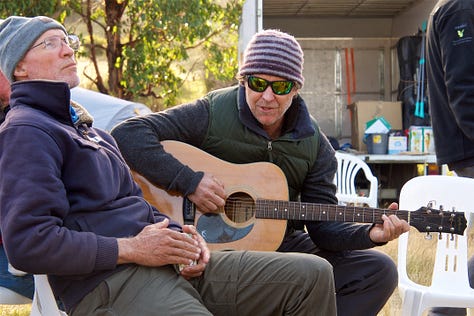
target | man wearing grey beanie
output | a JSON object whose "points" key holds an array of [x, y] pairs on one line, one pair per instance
{"points": [[263, 118], [17, 34], [69, 208]]}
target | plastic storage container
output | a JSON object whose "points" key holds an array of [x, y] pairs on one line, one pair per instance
{"points": [[377, 144]]}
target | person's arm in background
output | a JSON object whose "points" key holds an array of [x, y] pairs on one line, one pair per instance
{"points": [[456, 42]]}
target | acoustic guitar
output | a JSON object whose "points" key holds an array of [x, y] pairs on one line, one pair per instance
{"points": [[257, 207]]}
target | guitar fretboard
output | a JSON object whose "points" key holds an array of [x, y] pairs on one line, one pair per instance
{"points": [[275, 209]]}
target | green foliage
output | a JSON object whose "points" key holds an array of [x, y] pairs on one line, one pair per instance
{"points": [[222, 60], [151, 47], [162, 33], [52, 8]]}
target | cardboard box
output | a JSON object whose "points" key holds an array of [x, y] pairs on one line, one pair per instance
{"points": [[364, 111], [421, 139], [397, 144]]}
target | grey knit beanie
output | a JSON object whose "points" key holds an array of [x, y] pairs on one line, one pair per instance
{"points": [[17, 35], [272, 52]]}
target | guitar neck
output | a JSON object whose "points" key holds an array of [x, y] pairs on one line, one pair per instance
{"points": [[289, 210]]}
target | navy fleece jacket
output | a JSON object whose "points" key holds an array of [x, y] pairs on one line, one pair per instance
{"points": [[66, 194]]}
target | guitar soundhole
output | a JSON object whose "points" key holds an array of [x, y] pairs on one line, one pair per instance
{"points": [[239, 207]]}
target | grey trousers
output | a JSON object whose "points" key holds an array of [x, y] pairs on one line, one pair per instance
{"points": [[451, 311], [234, 283]]}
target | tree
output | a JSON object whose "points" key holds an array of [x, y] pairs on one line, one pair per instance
{"points": [[147, 43]]}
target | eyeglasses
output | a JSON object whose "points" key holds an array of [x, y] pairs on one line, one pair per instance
{"points": [[280, 87], [53, 42]]}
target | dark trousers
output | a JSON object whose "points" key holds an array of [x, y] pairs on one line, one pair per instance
{"points": [[364, 279]]}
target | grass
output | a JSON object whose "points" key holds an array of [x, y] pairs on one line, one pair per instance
{"points": [[421, 258], [15, 310]]}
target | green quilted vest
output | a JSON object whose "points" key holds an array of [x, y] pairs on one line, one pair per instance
{"points": [[230, 140]]}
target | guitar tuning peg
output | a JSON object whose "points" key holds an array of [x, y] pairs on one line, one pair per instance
{"points": [[452, 237], [440, 236], [428, 236]]}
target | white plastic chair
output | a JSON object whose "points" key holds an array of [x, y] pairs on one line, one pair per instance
{"points": [[348, 166], [9, 297], [44, 302], [449, 285]]}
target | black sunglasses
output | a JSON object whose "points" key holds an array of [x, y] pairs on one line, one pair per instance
{"points": [[280, 87]]}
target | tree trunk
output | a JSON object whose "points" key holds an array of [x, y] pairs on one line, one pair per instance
{"points": [[114, 10]]}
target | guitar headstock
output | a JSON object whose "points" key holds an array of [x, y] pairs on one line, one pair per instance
{"points": [[428, 220]]}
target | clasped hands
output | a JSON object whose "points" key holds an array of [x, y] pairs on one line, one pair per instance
{"points": [[157, 245]]}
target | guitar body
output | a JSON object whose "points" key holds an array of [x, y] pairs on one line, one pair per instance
{"points": [[235, 226], [256, 210]]}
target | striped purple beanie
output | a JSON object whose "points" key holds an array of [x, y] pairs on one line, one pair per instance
{"points": [[275, 53]]}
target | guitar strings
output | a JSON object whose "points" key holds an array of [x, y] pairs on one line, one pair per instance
{"points": [[246, 207]]}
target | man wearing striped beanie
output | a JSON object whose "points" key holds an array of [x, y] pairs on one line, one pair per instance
{"points": [[274, 53], [264, 119]]}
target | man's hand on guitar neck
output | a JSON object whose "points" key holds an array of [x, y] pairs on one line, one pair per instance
{"points": [[209, 195], [391, 228]]}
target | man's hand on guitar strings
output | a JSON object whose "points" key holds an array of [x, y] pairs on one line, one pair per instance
{"points": [[209, 195], [391, 228]]}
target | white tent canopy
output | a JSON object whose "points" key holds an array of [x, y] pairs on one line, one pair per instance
{"points": [[107, 110]]}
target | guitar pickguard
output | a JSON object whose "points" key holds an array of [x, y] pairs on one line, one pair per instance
{"points": [[215, 230]]}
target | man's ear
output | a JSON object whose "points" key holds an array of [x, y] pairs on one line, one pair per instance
{"points": [[20, 70]]}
